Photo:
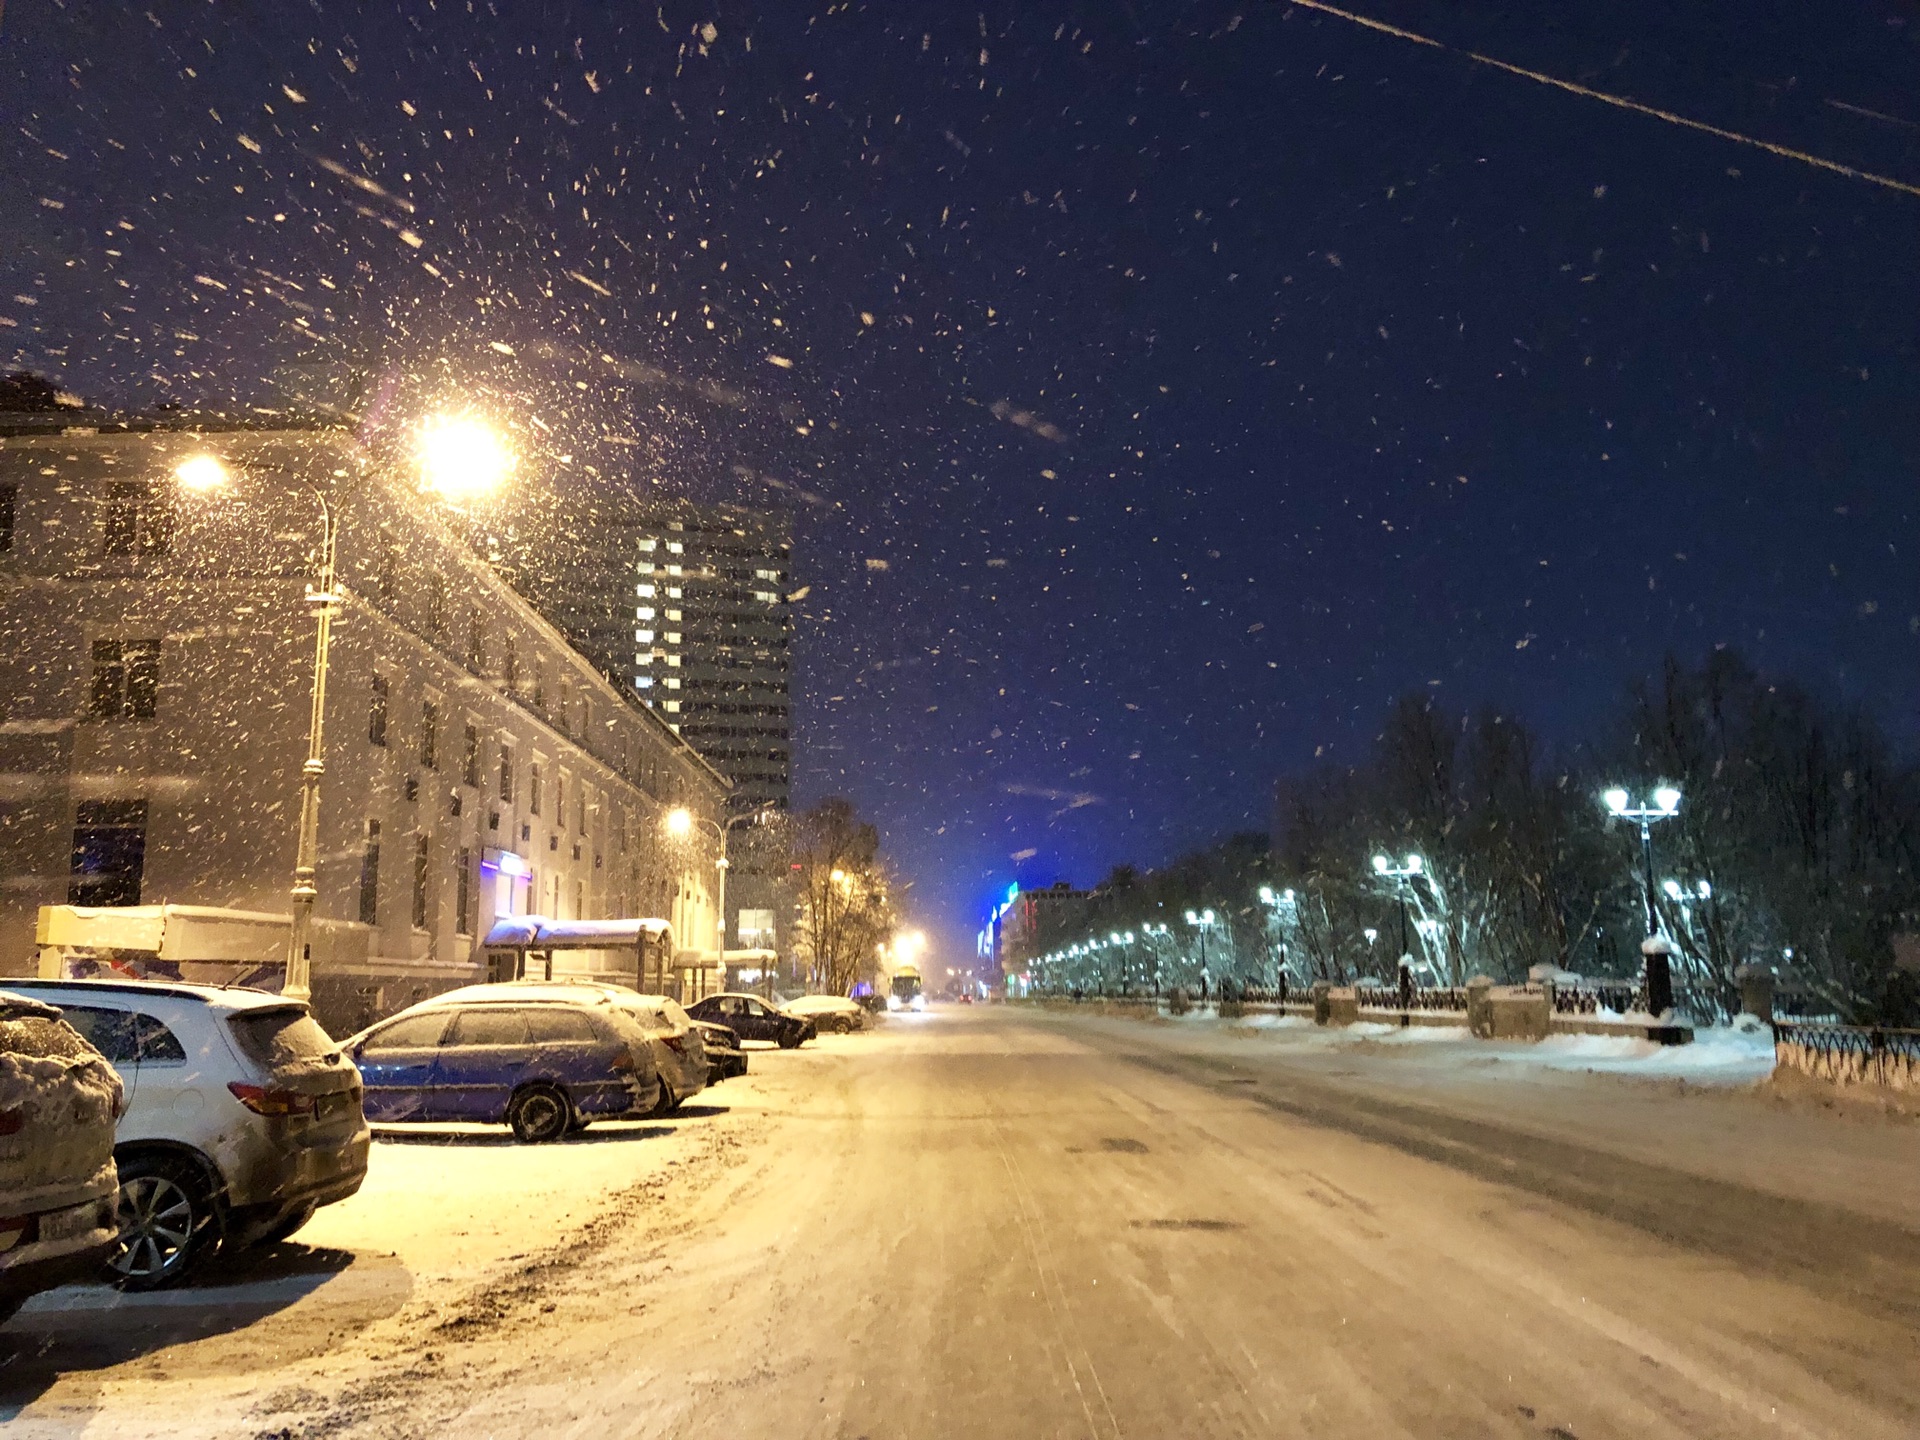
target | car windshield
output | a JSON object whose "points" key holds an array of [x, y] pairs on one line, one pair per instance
{"points": [[280, 1036]]}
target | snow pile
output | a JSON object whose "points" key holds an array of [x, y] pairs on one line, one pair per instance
{"points": [[1719, 1054]]}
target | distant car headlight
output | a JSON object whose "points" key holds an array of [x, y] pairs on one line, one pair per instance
{"points": [[919, 1002], [893, 1002]]}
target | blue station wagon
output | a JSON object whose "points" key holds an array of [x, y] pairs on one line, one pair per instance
{"points": [[544, 1067]]}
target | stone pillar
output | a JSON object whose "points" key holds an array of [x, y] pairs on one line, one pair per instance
{"points": [[1480, 1006], [1656, 953], [1322, 1004], [1756, 991]]}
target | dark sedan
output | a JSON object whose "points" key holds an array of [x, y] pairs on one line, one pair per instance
{"points": [[725, 1059], [751, 1018]]}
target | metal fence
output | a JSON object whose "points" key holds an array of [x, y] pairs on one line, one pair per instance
{"points": [[1450, 999], [1850, 1054]]}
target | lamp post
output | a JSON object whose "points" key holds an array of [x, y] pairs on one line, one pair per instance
{"points": [[680, 823], [1402, 877], [1203, 922], [1655, 949], [460, 458]]}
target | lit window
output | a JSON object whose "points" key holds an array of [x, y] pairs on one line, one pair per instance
{"points": [[766, 574], [646, 567], [643, 637], [643, 659], [645, 612], [674, 547], [674, 570], [645, 591], [673, 637], [672, 707], [648, 544], [766, 595], [673, 682], [673, 614], [673, 592], [643, 682], [673, 660]]}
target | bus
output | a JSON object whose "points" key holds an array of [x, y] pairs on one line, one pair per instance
{"points": [[903, 990]]}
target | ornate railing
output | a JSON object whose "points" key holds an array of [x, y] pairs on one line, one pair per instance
{"points": [[1446, 998], [1850, 1054]]}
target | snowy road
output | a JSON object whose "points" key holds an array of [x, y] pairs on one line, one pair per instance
{"points": [[985, 1223]]}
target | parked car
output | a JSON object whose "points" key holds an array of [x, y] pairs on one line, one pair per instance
{"points": [[829, 1013], [544, 1066], [59, 1100], [751, 1018], [679, 1054], [725, 1058], [242, 1117]]}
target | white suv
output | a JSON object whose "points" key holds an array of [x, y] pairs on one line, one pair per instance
{"points": [[241, 1117]]}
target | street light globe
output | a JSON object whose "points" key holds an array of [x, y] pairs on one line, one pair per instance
{"points": [[202, 473], [1266, 895], [1287, 895], [1672, 887], [462, 458], [1416, 864], [1206, 917], [1616, 799], [1380, 864], [1192, 919], [679, 821], [1668, 799]]}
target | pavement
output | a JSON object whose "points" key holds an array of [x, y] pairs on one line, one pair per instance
{"points": [[997, 1222]]}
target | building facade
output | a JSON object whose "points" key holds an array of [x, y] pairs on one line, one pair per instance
{"points": [[155, 684], [687, 604]]}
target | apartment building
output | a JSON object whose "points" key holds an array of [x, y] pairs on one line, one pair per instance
{"points": [[156, 669]]}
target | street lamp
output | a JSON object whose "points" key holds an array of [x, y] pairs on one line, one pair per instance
{"points": [[1402, 876], [679, 824], [1655, 948], [1203, 922], [439, 454]]}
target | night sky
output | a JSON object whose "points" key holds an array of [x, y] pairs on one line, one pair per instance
{"points": [[1159, 387]]}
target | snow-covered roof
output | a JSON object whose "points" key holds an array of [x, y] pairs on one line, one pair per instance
{"points": [[536, 932]]}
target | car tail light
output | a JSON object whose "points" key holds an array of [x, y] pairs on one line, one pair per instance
{"points": [[624, 1063], [675, 1044], [264, 1101], [11, 1123]]}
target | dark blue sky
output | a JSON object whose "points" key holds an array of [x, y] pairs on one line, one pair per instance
{"points": [[1204, 374]]}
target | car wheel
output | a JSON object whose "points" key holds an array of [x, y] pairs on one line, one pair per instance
{"points": [[789, 1039], [286, 1225], [166, 1222], [538, 1114]]}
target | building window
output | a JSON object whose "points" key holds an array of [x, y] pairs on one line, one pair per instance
{"points": [[533, 788], [560, 796], [477, 641], [9, 497], [126, 680], [539, 687], [137, 522], [463, 895], [470, 765], [506, 774], [370, 876], [580, 810], [429, 736], [389, 574], [109, 852], [422, 843], [510, 667], [437, 606], [377, 711]]}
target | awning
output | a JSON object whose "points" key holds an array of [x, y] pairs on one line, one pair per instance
{"points": [[536, 932]]}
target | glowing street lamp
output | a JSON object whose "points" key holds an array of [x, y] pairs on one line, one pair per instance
{"points": [[202, 474], [1664, 806], [461, 458], [1402, 876], [679, 823]]}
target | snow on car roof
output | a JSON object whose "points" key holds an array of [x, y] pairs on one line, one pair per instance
{"points": [[233, 998]]}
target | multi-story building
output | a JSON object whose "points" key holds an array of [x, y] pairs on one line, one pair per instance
{"points": [[1028, 923], [687, 604], [155, 683]]}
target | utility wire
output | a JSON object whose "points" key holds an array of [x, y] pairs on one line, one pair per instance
{"points": [[1785, 152]]}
